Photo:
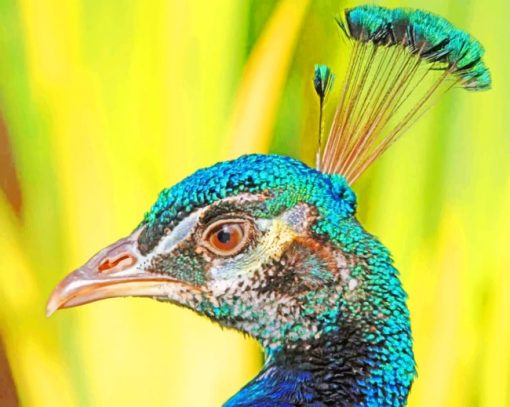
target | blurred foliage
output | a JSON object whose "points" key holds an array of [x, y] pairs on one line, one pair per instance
{"points": [[106, 103]]}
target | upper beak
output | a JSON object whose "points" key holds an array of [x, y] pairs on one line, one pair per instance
{"points": [[113, 272]]}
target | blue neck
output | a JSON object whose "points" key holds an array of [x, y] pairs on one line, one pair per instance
{"points": [[318, 372], [275, 386], [344, 367]]}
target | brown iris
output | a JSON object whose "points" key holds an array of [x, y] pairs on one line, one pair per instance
{"points": [[227, 237]]}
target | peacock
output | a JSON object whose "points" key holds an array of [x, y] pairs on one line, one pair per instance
{"points": [[271, 247]]}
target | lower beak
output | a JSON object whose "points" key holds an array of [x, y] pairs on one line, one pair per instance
{"points": [[115, 271]]}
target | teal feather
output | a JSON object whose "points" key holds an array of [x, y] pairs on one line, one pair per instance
{"points": [[323, 81], [460, 52]]}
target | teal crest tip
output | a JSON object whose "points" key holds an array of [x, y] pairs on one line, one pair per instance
{"points": [[427, 35], [323, 80]]}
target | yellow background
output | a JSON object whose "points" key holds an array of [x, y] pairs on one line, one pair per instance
{"points": [[107, 102]]}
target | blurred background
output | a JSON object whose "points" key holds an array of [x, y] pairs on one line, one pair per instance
{"points": [[103, 103]]}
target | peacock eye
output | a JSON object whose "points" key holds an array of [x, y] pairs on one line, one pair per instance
{"points": [[227, 237]]}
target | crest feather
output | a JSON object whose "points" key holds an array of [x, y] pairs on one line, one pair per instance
{"points": [[399, 61]]}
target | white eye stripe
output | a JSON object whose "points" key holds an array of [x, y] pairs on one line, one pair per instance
{"points": [[180, 232]]}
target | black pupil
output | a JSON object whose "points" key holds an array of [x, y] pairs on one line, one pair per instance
{"points": [[224, 236]]}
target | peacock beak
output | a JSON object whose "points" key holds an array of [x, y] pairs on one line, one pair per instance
{"points": [[116, 271]]}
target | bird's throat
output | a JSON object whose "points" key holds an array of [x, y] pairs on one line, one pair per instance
{"points": [[341, 368], [324, 370]]}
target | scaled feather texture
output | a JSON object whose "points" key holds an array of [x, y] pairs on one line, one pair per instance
{"points": [[268, 246]]}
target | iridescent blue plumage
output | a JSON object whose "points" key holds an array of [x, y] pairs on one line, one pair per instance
{"points": [[275, 387], [253, 173]]}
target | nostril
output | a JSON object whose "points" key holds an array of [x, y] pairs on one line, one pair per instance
{"points": [[109, 265]]}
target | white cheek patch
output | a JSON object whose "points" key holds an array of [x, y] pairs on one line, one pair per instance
{"points": [[270, 245], [264, 224], [277, 235]]}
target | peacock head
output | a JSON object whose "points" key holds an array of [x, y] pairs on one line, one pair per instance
{"points": [[262, 244]]}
